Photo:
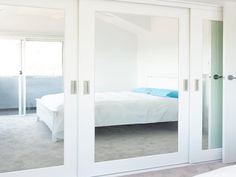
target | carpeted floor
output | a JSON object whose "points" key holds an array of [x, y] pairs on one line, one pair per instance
{"points": [[121, 142], [129, 141], [188, 171], [26, 144]]}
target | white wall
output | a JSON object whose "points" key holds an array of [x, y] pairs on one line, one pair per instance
{"points": [[116, 58], [144, 57], [26, 21], [158, 53]]}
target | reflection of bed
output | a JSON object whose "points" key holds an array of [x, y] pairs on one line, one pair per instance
{"points": [[112, 108], [123, 108], [221, 172], [50, 110]]}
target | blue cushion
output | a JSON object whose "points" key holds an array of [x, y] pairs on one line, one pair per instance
{"points": [[173, 94]]}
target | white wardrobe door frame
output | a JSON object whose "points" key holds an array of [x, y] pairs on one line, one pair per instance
{"points": [[197, 154], [229, 121], [87, 166], [70, 73]]}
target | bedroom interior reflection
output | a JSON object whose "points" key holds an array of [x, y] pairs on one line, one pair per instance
{"points": [[136, 85], [31, 88]]}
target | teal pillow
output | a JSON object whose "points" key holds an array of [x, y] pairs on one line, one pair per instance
{"points": [[173, 94]]}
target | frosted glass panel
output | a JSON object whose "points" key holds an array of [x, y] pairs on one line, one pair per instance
{"points": [[212, 84], [136, 85]]}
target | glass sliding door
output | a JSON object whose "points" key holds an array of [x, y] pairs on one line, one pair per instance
{"points": [[42, 71], [212, 85], [10, 79], [135, 88]]}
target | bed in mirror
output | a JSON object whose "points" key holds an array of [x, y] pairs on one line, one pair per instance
{"points": [[136, 85], [31, 88]]}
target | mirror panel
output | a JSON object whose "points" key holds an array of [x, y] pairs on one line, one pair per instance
{"points": [[136, 85], [31, 80]]}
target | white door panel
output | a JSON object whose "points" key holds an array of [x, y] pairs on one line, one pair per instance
{"points": [[88, 11], [229, 120]]}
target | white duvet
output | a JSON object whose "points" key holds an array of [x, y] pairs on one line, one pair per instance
{"points": [[122, 108], [53, 102], [117, 108]]}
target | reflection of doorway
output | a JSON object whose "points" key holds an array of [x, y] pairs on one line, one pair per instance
{"points": [[29, 70]]}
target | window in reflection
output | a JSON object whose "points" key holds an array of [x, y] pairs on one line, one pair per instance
{"points": [[212, 84], [136, 85], [31, 89]]}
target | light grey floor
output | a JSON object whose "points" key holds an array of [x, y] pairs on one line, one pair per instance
{"points": [[188, 171], [26, 144], [122, 142]]}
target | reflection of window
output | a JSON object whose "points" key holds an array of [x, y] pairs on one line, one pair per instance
{"points": [[9, 57], [43, 58]]}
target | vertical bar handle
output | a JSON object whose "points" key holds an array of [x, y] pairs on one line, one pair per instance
{"points": [[73, 87], [185, 84], [86, 87], [196, 87]]}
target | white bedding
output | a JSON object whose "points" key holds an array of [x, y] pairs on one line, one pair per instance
{"points": [[53, 102], [111, 108], [50, 110], [122, 108], [229, 171]]}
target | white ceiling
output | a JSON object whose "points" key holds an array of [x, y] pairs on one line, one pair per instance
{"points": [[31, 21]]}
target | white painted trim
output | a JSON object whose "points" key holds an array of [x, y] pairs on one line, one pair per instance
{"points": [[229, 143], [158, 169], [177, 3]]}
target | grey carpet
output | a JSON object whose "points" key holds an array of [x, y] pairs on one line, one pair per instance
{"points": [[26, 144], [188, 171], [129, 141]]}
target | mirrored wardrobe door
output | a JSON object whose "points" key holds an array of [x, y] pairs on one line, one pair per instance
{"points": [[138, 80], [31, 78], [207, 77]]}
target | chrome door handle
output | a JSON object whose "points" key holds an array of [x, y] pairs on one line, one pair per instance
{"points": [[216, 77], [231, 77], [73, 87]]}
